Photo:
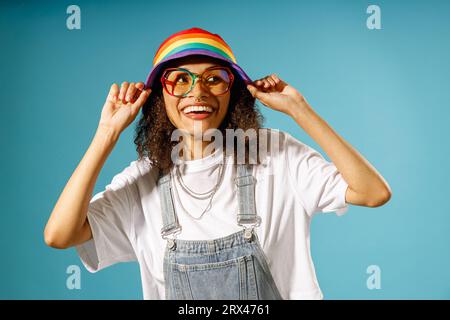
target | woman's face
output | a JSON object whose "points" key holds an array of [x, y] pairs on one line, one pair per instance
{"points": [[198, 95]]}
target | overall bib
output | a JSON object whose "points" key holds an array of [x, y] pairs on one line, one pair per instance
{"points": [[229, 268]]}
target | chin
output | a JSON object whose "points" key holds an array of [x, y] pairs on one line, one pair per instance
{"points": [[199, 125]]}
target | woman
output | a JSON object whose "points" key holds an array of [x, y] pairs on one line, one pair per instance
{"points": [[204, 223]]}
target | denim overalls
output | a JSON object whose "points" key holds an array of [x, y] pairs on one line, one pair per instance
{"points": [[233, 267]]}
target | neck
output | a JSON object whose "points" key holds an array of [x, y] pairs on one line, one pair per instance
{"points": [[195, 148]]}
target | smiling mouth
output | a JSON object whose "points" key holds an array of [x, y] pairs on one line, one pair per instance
{"points": [[198, 112]]}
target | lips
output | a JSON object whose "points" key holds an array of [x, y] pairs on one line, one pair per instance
{"points": [[198, 112]]}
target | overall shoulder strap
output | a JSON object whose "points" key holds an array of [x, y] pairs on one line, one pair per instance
{"points": [[245, 183], [169, 217]]}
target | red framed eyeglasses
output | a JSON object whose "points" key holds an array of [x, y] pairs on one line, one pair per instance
{"points": [[178, 82]]}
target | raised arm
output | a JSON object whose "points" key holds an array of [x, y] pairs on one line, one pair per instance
{"points": [[68, 225], [366, 187]]}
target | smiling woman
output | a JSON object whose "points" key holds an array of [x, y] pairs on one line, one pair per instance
{"points": [[210, 227]]}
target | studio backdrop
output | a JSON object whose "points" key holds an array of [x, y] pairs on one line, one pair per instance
{"points": [[377, 71]]}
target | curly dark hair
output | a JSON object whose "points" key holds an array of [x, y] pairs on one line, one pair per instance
{"points": [[154, 129]]}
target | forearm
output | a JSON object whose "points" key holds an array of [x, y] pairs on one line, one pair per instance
{"points": [[360, 175], [70, 211]]}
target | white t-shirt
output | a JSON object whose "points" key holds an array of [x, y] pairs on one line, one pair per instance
{"points": [[291, 186]]}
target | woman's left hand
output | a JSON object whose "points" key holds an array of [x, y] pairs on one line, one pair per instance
{"points": [[276, 94]]}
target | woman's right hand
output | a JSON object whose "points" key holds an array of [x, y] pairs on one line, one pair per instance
{"points": [[122, 105]]}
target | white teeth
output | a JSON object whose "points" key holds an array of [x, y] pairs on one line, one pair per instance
{"points": [[197, 108]]}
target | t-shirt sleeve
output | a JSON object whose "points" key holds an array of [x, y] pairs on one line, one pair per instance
{"points": [[110, 218], [317, 182]]}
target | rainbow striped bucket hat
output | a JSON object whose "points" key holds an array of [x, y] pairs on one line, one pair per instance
{"points": [[194, 41]]}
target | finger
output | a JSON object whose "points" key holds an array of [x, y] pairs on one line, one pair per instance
{"points": [[123, 90], [113, 92], [140, 85], [139, 88], [130, 92], [271, 81], [141, 100], [266, 84], [256, 93], [259, 83], [276, 79], [280, 81], [252, 89]]}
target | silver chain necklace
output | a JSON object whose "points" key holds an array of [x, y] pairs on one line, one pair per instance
{"points": [[194, 194]]}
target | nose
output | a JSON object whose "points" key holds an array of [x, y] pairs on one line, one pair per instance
{"points": [[199, 89]]}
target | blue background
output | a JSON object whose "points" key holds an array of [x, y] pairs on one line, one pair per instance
{"points": [[385, 91]]}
